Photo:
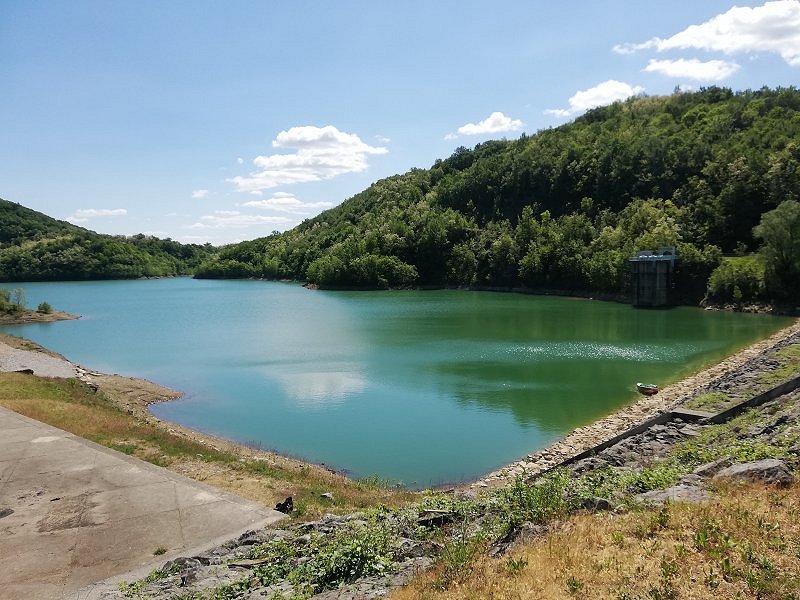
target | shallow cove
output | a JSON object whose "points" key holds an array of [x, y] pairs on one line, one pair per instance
{"points": [[422, 387]]}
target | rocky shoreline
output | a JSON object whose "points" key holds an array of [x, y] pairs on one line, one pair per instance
{"points": [[724, 374]]}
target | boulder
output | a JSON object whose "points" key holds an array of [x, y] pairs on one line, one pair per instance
{"points": [[710, 469], [677, 493], [768, 470]]}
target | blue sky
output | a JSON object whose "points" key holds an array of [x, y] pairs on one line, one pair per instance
{"points": [[223, 121]]}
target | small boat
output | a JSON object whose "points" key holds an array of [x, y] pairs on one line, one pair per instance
{"points": [[648, 389]]}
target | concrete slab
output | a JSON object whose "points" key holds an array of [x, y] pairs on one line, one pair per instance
{"points": [[82, 513]]}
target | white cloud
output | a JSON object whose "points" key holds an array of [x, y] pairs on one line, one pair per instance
{"points": [[199, 193], [712, 70], [773, 27], [100, 212], [496, 122], [383, 139], [82, 215], [320, 153], [599, 95], [231, 219], [240, 160], [283, 202]]}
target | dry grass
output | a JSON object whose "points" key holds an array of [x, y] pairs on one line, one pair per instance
{"points": [[745, 544], [259, 476]]}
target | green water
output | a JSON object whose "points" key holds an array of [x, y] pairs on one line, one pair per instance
{"points": [[423, 387]]}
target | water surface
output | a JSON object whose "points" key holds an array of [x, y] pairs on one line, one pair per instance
{"points": [[422, 387]]}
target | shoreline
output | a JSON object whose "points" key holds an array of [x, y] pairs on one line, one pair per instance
{"points": [[134, 396], [587, 436], [27, 317]]}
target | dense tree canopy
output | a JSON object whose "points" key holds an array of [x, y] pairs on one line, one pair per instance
{"points": [[36, 247], [561, 209], [779, 229]]}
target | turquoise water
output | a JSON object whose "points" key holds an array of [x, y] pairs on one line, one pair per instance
{"points": [[423, 387]]}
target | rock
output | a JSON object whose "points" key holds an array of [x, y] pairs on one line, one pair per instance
{"points": [[690, 431], [768, 470], [691, 479], [588, 464], [248, 538], [407, 548], [595, 504], [326, 495], [434, 518], [4, 512], [712, 468], [677, 493]]}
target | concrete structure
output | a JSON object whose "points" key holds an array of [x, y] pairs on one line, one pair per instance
{"points": [[73, 512], [651, 276]]}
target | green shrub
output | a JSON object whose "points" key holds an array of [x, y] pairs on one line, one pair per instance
{"points": [[44, 308], [737, 280]]}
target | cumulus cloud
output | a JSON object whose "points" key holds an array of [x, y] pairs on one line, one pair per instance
{"points": [[84, 214], [712, 70], [319, 153], [199, 193], [773, 27], [231, 219], [599, 95], [496, 122], [288, 203]]}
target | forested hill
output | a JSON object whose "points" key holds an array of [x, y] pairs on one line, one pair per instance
{"points": [[561, 209], [35, 247]]}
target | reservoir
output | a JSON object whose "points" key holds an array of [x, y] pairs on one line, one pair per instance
{"points": [[420, 387]]}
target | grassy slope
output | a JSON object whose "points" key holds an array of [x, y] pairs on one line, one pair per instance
{"points": [[744, 544]]}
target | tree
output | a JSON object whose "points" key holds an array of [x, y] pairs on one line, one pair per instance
{"points": [[779, 232]]}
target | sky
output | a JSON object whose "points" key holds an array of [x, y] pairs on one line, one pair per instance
{"points": [[218, 122]]}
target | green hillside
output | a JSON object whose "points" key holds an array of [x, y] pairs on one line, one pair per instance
{"points": [[35, 247], [561, 209]]}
